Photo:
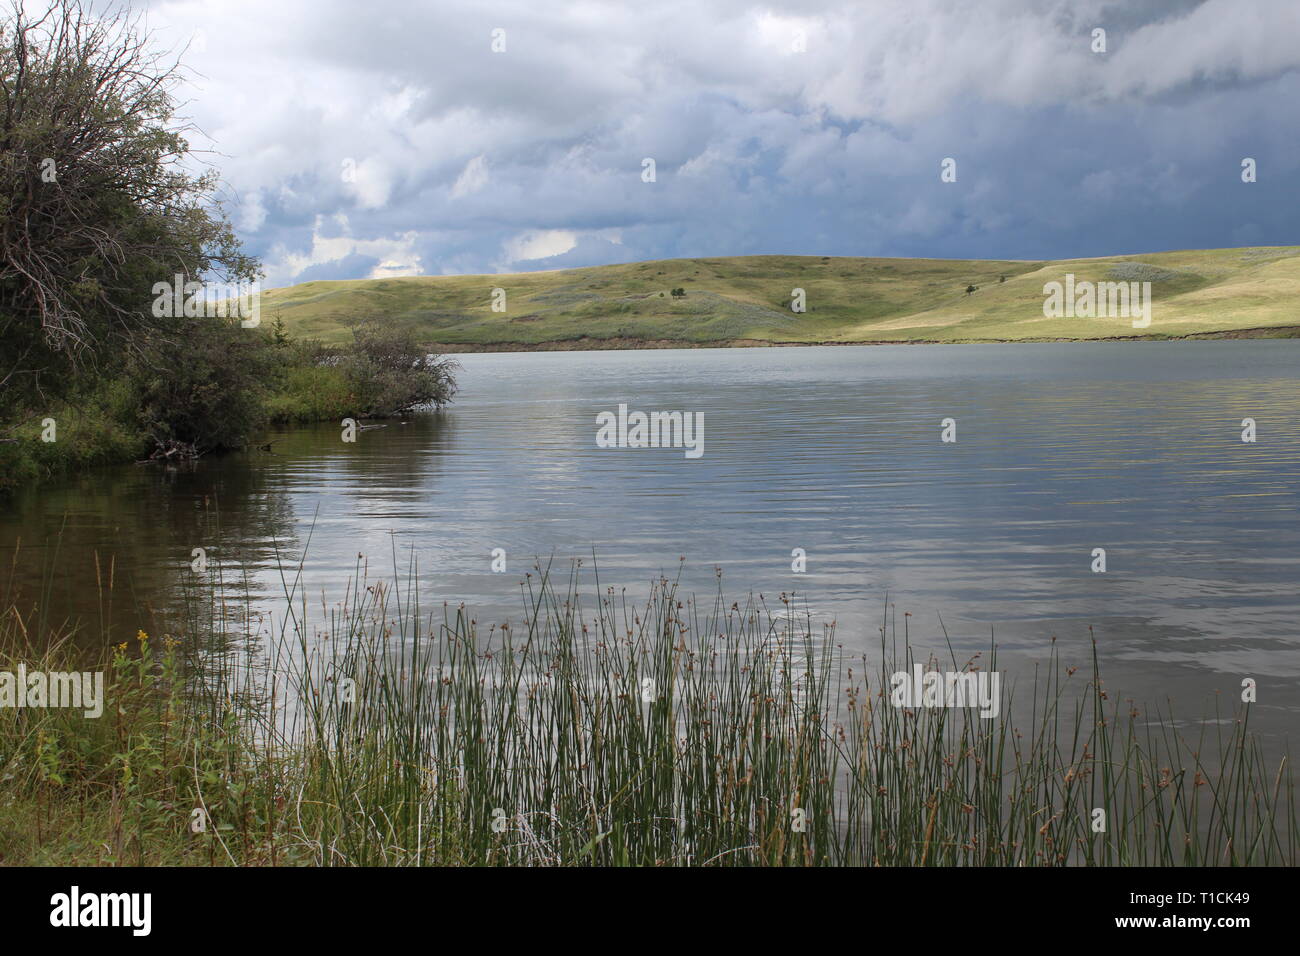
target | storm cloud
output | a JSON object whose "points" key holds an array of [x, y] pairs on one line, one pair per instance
{"points": [[393, 139]]}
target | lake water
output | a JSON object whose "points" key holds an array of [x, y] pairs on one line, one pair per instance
{"points": [[1061, 448]]}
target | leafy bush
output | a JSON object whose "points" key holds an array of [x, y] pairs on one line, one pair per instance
{"points": [[390, 373], [311, 393], [212, 389], [209, 394]]}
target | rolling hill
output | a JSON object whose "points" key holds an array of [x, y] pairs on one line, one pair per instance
{"points": [[746, 301]]}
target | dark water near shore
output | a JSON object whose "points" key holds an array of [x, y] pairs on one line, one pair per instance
{"points": [[1131, 447]]}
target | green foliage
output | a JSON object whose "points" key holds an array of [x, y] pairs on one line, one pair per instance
{"points": [[213, 389], [96, 426], [97, 203], [210, 392], [311, 393], [390, 373], [97, 206]]}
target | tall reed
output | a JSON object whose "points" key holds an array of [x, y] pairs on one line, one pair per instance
{"points": [[671, 731], [605, 730]]}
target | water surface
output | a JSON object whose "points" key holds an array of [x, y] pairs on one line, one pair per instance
{"points": [[1131, 447]]}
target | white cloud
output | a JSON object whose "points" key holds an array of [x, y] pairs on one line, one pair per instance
{"points": [[472, 179], [539, 244], [397, 256]]}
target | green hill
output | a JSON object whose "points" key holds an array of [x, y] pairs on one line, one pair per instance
{"points": [[746, 301]]}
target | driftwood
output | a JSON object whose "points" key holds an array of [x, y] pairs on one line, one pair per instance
{"points": [[172, 450]]}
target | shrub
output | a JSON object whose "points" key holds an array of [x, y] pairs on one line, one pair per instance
{"points": [[311, 393], [1140, 272], [390, 373], [211, 394]]}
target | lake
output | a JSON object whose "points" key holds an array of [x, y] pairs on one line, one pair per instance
{"points": [[1134, 448]]}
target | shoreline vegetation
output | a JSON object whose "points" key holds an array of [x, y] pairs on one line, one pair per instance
{"points": [[585, 344], [217, 393], [605, 729]]}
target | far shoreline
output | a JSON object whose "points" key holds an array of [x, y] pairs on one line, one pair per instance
{"points": [[616, 344]]}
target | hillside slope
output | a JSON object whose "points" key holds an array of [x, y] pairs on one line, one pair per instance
{"points": [[746, 300]]}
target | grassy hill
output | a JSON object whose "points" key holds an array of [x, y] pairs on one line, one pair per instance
{"points": [[746, 301]]}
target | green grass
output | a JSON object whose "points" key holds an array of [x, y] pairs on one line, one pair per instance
{"points": [[102, 426], [746, 300], [311, 394], [93, 428], [600, 730]]}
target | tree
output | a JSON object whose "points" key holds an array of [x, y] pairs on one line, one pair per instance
{"points": [[95, 205], [970, 289]]}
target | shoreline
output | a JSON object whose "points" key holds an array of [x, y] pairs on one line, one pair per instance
{"points": [[623, 343], [60, 470], [338, 769]]}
